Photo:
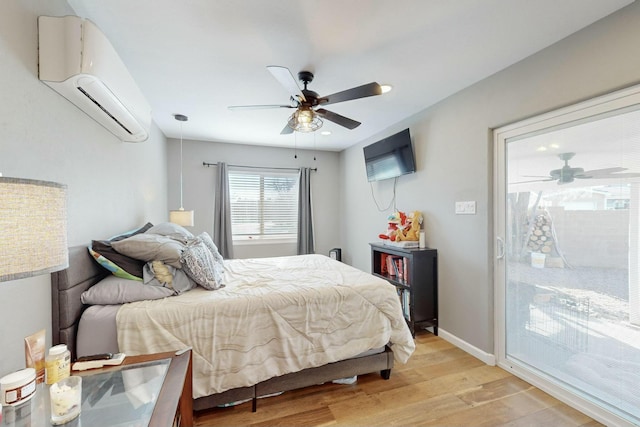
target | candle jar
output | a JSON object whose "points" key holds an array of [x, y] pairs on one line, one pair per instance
{"points": [[66, 399]]}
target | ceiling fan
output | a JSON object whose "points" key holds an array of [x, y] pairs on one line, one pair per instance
{"points": [[308, 117], [567, 174]]}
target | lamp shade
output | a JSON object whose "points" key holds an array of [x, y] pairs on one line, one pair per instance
{"points": [[181, 217], [33, 228]]}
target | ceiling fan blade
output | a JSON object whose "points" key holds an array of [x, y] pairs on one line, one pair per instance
{"points": [[535, 180], [624, 175], [337, 118], [286, 79], [595, 173], [612, 176], [286, 130], [370, 89], [257, 107]]}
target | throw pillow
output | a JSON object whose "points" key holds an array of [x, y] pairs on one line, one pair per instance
{"points": [[200, 265], [208, 241]]}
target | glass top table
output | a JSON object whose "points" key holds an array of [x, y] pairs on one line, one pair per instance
{"points": [[117, 397]]}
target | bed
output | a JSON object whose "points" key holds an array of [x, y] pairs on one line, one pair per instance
{"points": [[281, 336]]}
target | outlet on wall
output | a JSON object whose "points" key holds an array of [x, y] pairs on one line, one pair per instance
{"points": [[466, 208]]}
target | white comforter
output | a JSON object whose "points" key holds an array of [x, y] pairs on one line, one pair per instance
{"points": [[274, 316]]}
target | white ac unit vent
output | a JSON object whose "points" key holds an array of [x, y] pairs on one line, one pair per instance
{"points": [[77, 61]]}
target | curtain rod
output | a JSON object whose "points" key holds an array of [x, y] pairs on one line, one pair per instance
{"points": [[256, 167]]}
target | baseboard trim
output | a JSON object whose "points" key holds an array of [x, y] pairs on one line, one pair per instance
{"points": [[487, 358]]}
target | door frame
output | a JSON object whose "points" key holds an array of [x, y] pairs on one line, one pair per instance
{"points": [[593, 107]]}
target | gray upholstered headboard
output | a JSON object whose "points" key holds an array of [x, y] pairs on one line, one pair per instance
{"points": [[66, 288]]}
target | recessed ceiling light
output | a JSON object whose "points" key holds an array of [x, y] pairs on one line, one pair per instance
{"points": [[386, 88], [554, 146], [325, 132], [542, 148]]}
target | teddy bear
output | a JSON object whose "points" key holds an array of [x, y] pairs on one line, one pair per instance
{"points": [[411, 230]]}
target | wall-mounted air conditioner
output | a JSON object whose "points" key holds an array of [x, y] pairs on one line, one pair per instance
{"points": [[78, 62]]}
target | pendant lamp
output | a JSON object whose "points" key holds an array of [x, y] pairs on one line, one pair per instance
{"points": [[180, 216]]}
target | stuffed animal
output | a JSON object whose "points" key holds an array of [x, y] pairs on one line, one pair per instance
{"points": [[411, 231], [402, 227], [391, 232], [395, 222]]}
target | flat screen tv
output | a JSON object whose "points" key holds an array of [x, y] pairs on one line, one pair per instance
{"points": [[390, 157]]}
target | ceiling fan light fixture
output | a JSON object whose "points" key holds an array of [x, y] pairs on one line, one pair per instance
{"points": [[305, 116], [305, 119]]}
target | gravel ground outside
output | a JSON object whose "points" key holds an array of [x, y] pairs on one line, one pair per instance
{"points": [[606, 289]]}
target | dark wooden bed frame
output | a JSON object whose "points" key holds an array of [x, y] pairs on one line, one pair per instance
{"points": [[83, 272]]}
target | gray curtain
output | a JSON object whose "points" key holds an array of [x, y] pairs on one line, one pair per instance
{"points": [[222, 235], [305, 217]]}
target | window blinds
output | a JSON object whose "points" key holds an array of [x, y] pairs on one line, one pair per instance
{"points": [[263, 203]]}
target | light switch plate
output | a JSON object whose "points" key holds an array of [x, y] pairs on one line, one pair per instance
{"points": [[466, 208]]}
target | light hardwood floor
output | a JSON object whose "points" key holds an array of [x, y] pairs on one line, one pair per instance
{"points": [[441, 385]]}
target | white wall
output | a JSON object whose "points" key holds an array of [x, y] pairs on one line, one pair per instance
{"points": [[199, 188], [112, 186], [453, 146]]}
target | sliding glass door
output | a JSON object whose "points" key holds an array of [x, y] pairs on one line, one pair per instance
{"points": [[568, 254]]}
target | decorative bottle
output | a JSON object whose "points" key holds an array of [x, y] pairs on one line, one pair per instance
{"points": [[57, 364]]}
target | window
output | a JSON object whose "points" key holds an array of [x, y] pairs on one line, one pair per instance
{"points": [[264, 204]]}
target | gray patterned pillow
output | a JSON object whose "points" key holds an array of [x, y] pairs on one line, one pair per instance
{"points": [[200, 265], [208, 241]]}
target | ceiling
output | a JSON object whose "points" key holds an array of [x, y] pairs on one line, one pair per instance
{"points": [[197, 57]]}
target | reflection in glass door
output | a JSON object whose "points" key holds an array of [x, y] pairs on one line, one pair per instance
{"points": [[568, 278]]}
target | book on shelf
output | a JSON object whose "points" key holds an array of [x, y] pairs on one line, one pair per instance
{"points": [[405, 264], [391, 270], [400, 267], [383, 264], [405, 302], [397, 267], [407, 305], [402, 244]]}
